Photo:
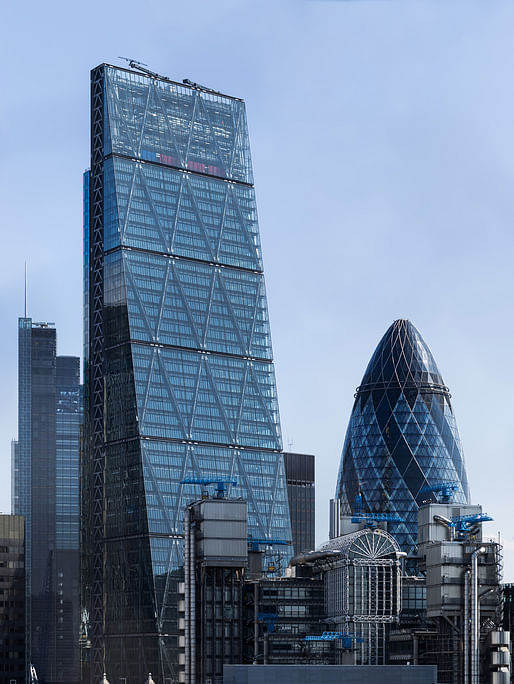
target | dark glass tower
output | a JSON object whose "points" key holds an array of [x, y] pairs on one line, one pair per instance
{"points": [[402, 437], [67, 482], [45, 492], [301, 496], [180, 379]]}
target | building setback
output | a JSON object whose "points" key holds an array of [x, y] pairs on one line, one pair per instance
{"points": [[179, 373], [45, 492]]}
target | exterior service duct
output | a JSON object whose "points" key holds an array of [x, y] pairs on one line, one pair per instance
{"points": [[475, 617], [466, 626]]}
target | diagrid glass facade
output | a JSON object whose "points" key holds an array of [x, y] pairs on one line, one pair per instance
{"points": [[180, 379], [402, 437]]}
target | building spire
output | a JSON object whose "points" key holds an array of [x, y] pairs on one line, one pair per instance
{"points": [[25, 289]]}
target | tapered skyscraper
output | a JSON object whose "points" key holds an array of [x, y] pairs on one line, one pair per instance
{"points": [[402, 445], [179, 372]]}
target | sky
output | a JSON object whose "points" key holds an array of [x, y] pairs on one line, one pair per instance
{"points": [[382, 136]]}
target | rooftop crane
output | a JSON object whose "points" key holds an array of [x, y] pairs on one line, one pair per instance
{"points": [[346, 639], [464, 523], [446, 490], [221, 489], [140, 66], [269, 619], [273, 563], [371, 519], [255, 542]]}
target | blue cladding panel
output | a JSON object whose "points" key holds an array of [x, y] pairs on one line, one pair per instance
{"points": [[402, 435]]}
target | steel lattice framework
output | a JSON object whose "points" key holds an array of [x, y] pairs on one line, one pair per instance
{"points": [[92, 469]]}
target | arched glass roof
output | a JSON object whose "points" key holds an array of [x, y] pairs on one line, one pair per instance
{"points": [[366, 544]]}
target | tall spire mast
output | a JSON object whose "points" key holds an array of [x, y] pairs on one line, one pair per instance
{"points": [[25, 289]]}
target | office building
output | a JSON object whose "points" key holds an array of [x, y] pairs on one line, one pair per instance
{"points": [[301, 496], [402, 446], [67, 484], [361, 571], [508, 616], [231, 609], [279, 613], [215, 559], [45, 492], [463, 593], [13, 665], [179, 373]]}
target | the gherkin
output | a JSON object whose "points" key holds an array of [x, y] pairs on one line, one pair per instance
{"points": [[402, 437]]}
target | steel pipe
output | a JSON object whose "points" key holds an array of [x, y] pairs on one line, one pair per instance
{"points": [[187, 602], [466, 626], [475, 618], [192, 579]]}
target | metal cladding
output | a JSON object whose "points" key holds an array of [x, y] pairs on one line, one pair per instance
{"points": [[402, 439]]}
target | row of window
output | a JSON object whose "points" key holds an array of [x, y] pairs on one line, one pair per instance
{"points": [[224, 227]]}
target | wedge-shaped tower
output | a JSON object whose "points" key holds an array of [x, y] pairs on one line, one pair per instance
{"points": [[402, 445], [179, 372]]}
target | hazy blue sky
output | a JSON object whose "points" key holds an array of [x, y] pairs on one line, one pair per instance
{"points": [[382, 139]]}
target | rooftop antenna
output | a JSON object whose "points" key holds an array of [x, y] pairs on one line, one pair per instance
{"points": [[25, 289], [134, 64]]}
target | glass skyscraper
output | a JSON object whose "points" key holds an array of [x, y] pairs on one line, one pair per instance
{"points": [[45, 491], [301, 496], [402, 445], [179, 373]]}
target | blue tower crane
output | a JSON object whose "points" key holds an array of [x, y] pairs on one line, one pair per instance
{"points": [[255, 542], [464, 523], [446, 490], [269, 619], [220, 488], [346, 639], [371, 519]]}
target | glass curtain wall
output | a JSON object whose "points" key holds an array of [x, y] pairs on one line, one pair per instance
{"points": [[185, 384]]}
